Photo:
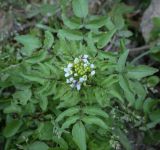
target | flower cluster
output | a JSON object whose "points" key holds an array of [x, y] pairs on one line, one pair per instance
{"points": [[78, 72]]}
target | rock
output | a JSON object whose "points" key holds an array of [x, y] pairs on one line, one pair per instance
{"points": [[146, 24]]}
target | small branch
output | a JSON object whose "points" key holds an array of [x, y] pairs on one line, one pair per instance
{"points": [[139, 49]]}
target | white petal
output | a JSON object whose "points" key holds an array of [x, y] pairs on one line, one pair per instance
{"points": [[74, 81], [70, 65], [92, 65], [71, 79], [85, 78], [78, 86], [85, 65], [76, 60], [81, 79], [85, 56], [66, 69], [75, 74], [93, 73], [72, 85], [67, 81], [67, 74], [85, 60]]}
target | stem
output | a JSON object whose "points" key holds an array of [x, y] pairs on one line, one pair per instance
{"points": [[139, 57]]}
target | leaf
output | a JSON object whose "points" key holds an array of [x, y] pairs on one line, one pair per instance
{"points": [[72, 23], [79, 135], [116, 92], [70, 34], [46, 131], [95, 120], [46, 9], [12, 128], [12, 109], [123, 139], [69, 121], [23, 96], [49, 40], [69, 112], [30, 43], [96, 22], [43, 102], [105, 38], [38, 146], [155, 115], [91, 110], [124, 84], [122, 61], [140, 72], [80, 8], [33, 78], [37, 57], [148, 104], [153, 81]]}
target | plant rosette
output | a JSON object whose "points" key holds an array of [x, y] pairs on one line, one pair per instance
{"points": [[79, 72]]}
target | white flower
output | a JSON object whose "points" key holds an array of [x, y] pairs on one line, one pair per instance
{"points": [[76, 60], [85, 78], [70, 65], [74, 81], [67, 69], [85, 60], [85, 65], [67, 81], [71, 79], [78, 86], [92, 66], [75, 74], [85, 56], [93, 73], [72, 85], [81, 79], [67, 74]]}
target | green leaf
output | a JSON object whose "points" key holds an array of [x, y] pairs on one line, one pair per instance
{"points": [[49, 40], [69, 121], [123, 139], [122, 61], [155, 115], [33, 78], [117, 92], [73, 23], [46, 131], [30, 43], [37, 57], [96, 22], [79, 135], [43, 102], [70, 34], [124, 84], [95, 120], [12, 128], [80, 8], [38, 146], [148, 104], [23, 96], [47, 9], [153, 81], [106, 38], [140, 72], [12, 109], [91, 110], [68, 112]]}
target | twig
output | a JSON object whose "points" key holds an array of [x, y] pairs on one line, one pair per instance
{"points": [[139, 49]]}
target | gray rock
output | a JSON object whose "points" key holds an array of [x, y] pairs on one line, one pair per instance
{"points": [[146, 24]]}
